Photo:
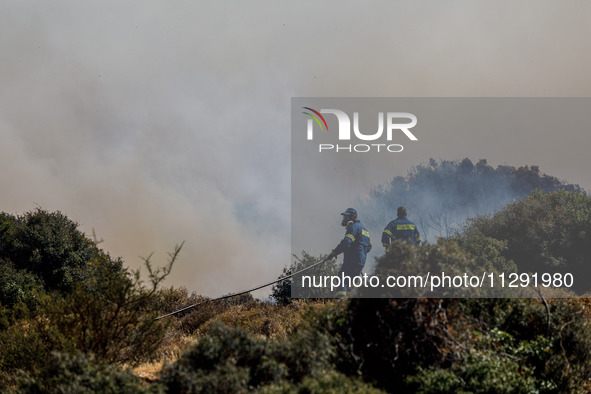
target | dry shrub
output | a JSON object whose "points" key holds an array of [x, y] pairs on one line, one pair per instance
{"points": [[255, 316], [259, 318]]}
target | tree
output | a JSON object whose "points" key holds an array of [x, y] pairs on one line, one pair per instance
{"points": [[543, 233], [49, 245], [441, 195]]}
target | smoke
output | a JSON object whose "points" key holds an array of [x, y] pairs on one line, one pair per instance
{"points": [[116, 123], [156, 123]]}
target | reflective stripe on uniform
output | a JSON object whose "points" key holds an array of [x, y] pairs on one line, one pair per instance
{"points": [[388, 232], [350, 236], [365, 232], [341, 293], [405, 227]]}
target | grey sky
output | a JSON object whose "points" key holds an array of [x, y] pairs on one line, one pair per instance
{"points": [[156, 122]]}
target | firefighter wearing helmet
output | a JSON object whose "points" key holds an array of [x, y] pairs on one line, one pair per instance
{"points": [[355, 246]]}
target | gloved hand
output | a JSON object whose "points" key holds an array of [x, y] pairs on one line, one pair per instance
{"points": [[332, 255]]}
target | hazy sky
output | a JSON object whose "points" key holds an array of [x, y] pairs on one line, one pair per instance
{"points": [[155, 122]]}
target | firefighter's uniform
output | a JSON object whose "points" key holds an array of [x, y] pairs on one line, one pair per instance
{"points": [[403, 229], [355, 246]]}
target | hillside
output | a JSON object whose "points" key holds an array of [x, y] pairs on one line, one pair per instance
{"points": [[73, 319]]}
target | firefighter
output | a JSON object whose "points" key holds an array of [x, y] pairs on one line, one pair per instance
{"points": [[401, 228], [355, 246]]}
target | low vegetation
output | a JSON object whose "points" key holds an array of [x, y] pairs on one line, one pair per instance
{"points": [[73, 319]]}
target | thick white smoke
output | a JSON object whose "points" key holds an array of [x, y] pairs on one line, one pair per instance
{"points": [[157, 122]]}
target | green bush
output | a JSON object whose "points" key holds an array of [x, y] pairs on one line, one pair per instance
{"points": [[487, 252], [18, 286], [282, 291], [411, 261], [224, 360], [26, 345], [328, 383], [387, 339], [79, 373], [545, 343], [305, 352], [553, 343], [474, 345], [115, 323], [232, 360], [50, 246], [479, 373], [545, 232]]}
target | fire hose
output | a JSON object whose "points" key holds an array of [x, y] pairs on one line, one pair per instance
{"points": [[245, 291]]}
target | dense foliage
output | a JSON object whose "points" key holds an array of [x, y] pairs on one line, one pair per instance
{"points": [[60, 293], [282, 291], [79, 373], [50, 246], [439, 196], [72, 319], [466, 345], [545, 232]]}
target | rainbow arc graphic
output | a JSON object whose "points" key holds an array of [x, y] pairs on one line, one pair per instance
{"points": [[315, 115]]}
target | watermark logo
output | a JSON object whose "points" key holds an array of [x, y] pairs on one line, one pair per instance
{"points": [[315, 117], [391, 124]]}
